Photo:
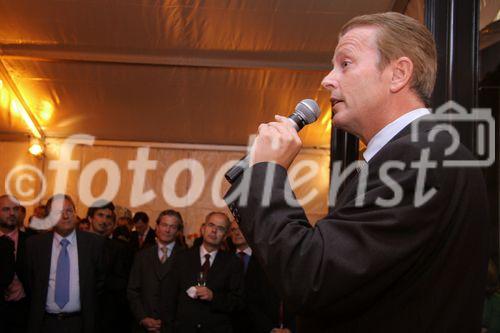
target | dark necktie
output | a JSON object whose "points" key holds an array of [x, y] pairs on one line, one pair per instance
{"points": [[244, 259], [206, 265]]}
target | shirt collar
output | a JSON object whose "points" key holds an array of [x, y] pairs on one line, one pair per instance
{"points": [[203, 251], [385, 135], [247, 251], [169, 246], [71, 237], [12, 235]]}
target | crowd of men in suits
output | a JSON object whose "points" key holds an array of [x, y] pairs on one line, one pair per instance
{"points": [[107, 279]]}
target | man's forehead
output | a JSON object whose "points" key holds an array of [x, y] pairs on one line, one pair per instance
{"points": [[357, 39], [218, 219], [60, 203], [8, 201], [169, 219], [104, 211]]}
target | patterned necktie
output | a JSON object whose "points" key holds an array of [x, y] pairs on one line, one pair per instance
{"points": [[164, 254], [62, 275], [206, 265]]}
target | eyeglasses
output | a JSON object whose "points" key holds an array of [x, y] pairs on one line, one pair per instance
{"points": [[219, 228], [68, 212]]}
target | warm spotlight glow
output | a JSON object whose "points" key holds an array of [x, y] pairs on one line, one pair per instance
{"points": [[46, 111], [1, 84], [36, 150], [17, 108], [36, 147], [4, 98]]}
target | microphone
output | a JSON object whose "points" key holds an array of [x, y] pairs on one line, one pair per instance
{"points": [[306, 112]]}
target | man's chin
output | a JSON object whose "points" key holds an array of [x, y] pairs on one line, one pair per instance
{"points": [[8, 226]]}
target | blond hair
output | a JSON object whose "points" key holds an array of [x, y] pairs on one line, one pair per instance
{"points": [[402, 36]]}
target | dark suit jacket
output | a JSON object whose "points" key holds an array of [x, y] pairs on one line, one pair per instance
{"points": [[262, 304], [225, 278], [91, 274], [150, 240], [374, 269], [21, 257], [115, 312], [7, 267], [144, 286]]}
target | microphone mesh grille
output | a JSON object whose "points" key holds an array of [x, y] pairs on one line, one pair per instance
{"points": [[309, 110]]}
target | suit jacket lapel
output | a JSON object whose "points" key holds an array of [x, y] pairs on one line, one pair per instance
{"points": [[83, 267], [155, 261], [350, 191], [45, 256], [219, 258]]}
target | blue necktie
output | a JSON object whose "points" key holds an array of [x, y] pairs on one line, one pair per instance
{"points": [[245, 259], [62, 275]]}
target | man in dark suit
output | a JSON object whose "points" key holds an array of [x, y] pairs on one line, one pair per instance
{"points": [[16, 300], [7, 271], [264, 311], [151, 267], [115, 314], [143, 236], [207, 285], [409, 252], [65, 273]]}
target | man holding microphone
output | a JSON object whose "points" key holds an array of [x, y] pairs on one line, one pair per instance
{"points": [[409, 266]]}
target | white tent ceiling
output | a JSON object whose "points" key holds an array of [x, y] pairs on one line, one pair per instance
{"points": [[170, 71]]}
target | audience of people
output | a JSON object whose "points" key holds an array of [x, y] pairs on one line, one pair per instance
{"points": [[115, 273]]}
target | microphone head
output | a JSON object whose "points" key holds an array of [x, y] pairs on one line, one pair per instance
{"points": [[308, 110]]}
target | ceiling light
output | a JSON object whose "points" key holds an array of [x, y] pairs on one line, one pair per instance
{"points": [[36, 147]]}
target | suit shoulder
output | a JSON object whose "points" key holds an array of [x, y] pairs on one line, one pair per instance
{"points": [[147, 251], [39, 238], [230, 257], [6, 244], [89, 236]]}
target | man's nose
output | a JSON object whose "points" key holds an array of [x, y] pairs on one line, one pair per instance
{"points": [[330, 81]]}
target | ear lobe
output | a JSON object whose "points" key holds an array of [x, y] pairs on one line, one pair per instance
{"points": [[401, 74]]}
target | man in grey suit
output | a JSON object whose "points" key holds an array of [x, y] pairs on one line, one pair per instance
{"points": [[151, 266]]}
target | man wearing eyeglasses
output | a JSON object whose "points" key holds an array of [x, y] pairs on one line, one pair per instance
{"points": [[207, 285], [65, 273]]}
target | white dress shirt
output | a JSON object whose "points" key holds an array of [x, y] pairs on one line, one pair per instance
{"points": [[202, 255], [73, 304], [170, 248], [385, 135]]}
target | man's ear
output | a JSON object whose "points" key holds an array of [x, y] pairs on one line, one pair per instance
{"points": [[402, 71]]}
